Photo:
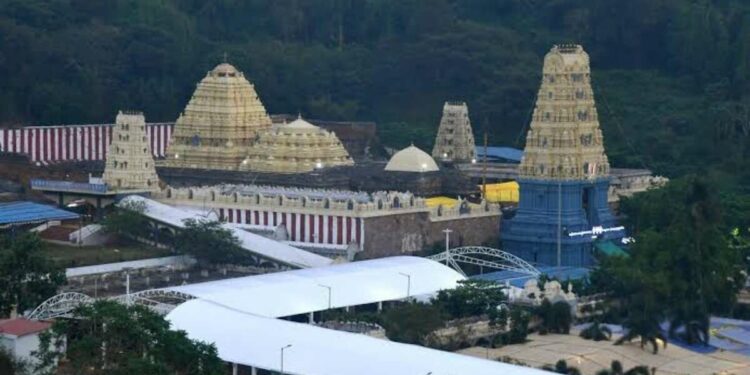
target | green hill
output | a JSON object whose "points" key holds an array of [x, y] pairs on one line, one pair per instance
{"points": [[670, 76]]}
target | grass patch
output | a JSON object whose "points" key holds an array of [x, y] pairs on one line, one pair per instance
{"points": [[73, 256]]}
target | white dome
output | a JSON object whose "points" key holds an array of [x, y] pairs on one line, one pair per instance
{"points": [[411, 159]]}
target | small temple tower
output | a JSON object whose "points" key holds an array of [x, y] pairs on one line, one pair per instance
{"points": [[455, 139], [130, 164], [564, 173], [297, 147], [219, 124]]}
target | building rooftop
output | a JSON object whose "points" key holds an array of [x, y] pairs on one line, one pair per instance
{"points": [[302, 291], [21, 212], [22, 326]]}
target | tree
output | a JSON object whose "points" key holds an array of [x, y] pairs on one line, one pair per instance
{"points": [[10, 365], [561, 367], [471, 298], [616, 369], [127, 220], [209, 242], [411, 322], [554, 318], [683, 266], [597, 332], [107, 337], [27, 277]]}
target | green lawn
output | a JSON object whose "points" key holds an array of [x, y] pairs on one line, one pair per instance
{"points": [[72, 256]]}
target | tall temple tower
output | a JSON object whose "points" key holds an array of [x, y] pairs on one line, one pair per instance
{"points": [[564, 173], [455, 140], [130, 164], [219, 124]]}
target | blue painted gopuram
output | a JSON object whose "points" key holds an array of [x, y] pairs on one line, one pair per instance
{"points": [[563, 215]]}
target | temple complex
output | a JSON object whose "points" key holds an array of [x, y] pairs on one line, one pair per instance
{"points": [[339, 222], [297, 147], [129, 164], [564, 173], [455, 139], [219, 124]]}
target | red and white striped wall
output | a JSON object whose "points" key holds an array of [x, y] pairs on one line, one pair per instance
{"points": [[49, 144], [302, 227]]}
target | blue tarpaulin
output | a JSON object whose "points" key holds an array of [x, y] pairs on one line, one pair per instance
{"points": [[502, 154], [17, 213]]}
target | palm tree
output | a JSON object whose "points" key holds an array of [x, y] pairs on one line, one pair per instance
{"points": [[597, 332]]}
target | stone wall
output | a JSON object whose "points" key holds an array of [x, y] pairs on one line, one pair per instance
{"points": [[414, 232]]}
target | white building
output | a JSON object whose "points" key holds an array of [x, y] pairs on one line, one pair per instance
{"points": [[20, 336]]}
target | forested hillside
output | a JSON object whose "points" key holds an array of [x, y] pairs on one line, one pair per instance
{"points": [[671, 77]]}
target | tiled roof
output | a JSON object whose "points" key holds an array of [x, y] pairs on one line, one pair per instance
{"points": [[22, 326]]}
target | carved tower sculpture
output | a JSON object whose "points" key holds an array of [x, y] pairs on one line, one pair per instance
{"points": [[564, 173], [130, 163], [455, 139], [219, 124]]}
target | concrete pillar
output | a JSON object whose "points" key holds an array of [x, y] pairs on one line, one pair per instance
{"points": [[234, 369], [311, 318], [380, 305], [253, 371]]}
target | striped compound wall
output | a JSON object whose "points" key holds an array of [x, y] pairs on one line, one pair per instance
{"points": [[49, 144], [335, 230]]}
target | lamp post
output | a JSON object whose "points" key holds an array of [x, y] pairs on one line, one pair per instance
{"points": [[447, 243], [76, 204], [329, 294], [408, 283], [282, 357]]}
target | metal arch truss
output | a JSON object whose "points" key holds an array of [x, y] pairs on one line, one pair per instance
{"points": [[490, 258], [62, 305], [161, 301]]}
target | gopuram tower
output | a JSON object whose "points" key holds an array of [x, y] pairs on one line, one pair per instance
{"points": [[129, 163], [455, 140], [219, 124], [564, 174]]}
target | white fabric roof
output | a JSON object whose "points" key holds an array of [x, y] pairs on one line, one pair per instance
{"points": [[260, 245], [411, 159], [301, 291], [257, 341]]}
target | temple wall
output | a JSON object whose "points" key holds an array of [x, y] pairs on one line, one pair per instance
{"points": [[392, 223], [48, 144]]}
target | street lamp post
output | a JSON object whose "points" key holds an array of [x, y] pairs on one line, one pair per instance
{"points": [[447, 244], [408, 283], [329, 294], [282, 357]]}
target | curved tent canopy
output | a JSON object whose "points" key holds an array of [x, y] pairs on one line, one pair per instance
{"points": [[302, 291]]}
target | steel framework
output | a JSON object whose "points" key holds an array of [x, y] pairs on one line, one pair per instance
{"points": [[491, 258], [58, 306], [62, 305]]}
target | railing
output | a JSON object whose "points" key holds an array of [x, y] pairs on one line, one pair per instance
{"points": [[56, 185]]}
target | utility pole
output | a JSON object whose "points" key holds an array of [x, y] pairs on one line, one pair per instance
{"points": [[484, 168], [447, 244], [559, 223]]}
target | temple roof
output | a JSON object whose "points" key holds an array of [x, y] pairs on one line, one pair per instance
{"points": [[411, 159]]}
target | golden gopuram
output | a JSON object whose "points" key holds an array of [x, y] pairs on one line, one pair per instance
{"points": [[129, 163], [296, 147], [564, 141], [219, 124]]}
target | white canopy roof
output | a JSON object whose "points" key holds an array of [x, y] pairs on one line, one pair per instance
{"points": [[411, 159], [257, 341], [260, 245], [301, 291]]}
